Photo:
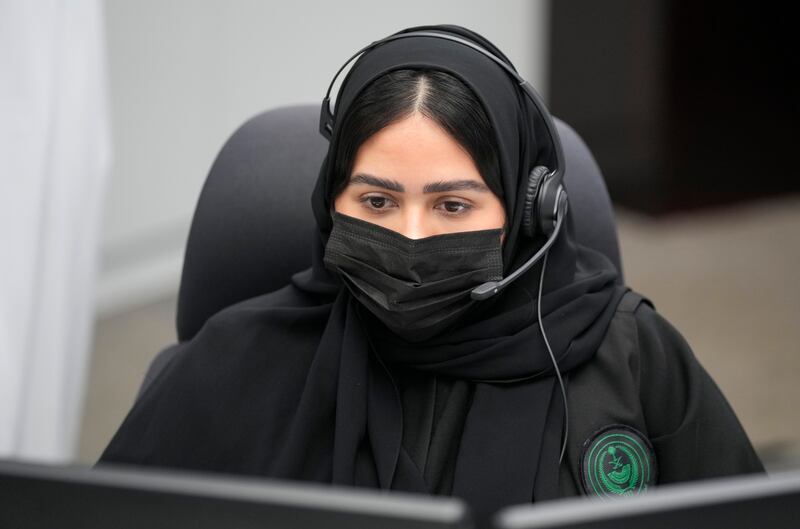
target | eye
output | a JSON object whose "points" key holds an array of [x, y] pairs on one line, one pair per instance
{"points": [[377, 203], [453, 207]]}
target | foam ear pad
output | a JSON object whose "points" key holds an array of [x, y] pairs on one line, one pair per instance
{"points": [[535, 179]]}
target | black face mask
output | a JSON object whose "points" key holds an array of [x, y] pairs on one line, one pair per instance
{"points": [[416, 287]]}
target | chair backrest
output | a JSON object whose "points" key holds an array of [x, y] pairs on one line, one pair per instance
{"points": [[253, 226]]}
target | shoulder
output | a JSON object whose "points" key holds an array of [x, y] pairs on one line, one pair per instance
{"points": [[280, 304], [644, 371], [287, 318], [669, 371], [244, 371], [260, 335], [688, 418], [658, 339], [676, 392], [614, 371], [645, 341], [645, 376], [657, 357]]}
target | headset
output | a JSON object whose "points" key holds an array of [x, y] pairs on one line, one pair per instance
{"points": [[545, 206]]}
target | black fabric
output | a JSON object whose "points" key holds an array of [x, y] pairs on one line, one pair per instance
{"points": [[434, 409], [646, 376], [298, 384], [698, 435], [416, 287]]}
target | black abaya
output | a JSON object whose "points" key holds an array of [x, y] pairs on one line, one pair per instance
{"points": [[301, 384]]}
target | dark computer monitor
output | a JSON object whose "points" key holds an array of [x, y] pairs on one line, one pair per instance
{"points": [[106, 497], [752, 502]]}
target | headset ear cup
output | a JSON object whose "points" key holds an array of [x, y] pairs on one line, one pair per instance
{"points": [[535, 179]]}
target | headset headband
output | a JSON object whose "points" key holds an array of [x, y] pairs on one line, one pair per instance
{"points": [[326, 115]]}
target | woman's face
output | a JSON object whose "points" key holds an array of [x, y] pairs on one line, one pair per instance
{"points": [[414, 178]]}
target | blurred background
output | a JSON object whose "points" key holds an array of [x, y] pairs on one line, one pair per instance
{"points": [[686, 107]]}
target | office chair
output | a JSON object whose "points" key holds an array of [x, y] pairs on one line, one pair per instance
{"points": [[253, 226]]}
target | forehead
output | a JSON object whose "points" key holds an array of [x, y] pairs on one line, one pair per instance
{"points": [[414, 151]]}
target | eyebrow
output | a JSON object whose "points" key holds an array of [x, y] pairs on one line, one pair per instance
{"points": [[433, 187]]}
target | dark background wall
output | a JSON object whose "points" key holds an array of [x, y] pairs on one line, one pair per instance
{"points": [[684, 104]]}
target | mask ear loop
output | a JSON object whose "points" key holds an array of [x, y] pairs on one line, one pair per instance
{"points": [[553, 358]]}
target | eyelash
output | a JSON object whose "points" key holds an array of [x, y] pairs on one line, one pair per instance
{"points": [[366, 202]]}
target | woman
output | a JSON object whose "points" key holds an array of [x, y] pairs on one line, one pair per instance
{"points": [[377, 368]]}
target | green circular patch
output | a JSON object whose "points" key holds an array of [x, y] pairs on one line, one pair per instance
{"points": [[617, 460]]}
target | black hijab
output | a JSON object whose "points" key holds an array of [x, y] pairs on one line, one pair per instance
{"points": [[288, 385]]}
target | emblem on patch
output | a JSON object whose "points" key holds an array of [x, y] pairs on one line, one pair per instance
{"points": [[617, 460]]}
